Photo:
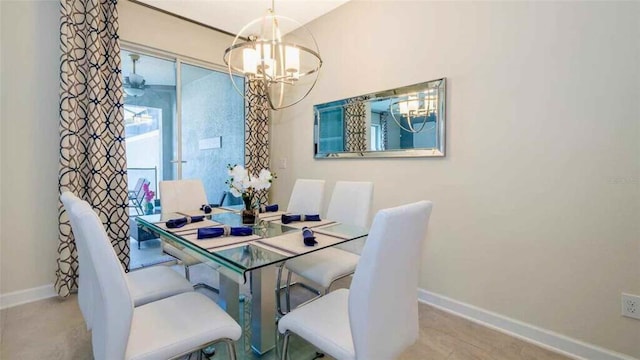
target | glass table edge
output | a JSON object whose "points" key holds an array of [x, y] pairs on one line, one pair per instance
{"points": [[232, 265], [203, 252]]}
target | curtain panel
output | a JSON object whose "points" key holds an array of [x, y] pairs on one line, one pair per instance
{"points": [[256, 152], [355, 116], [92, 144], [384, 126]]}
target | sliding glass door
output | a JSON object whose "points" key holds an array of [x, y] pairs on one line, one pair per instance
{"points": [[149, 111], [183, 119], [212, 132]]}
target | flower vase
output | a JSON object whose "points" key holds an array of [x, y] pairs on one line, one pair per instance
{"points": [[149, 208], [249, 212]]}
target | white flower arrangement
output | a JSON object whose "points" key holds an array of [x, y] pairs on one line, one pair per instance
{"points": [[244, 184]]}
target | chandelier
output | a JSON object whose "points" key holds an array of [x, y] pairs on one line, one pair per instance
{"points": [[286, 66], [413, 109]]}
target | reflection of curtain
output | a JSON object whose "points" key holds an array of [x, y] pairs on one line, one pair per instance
{"points": [[384, 117], [355, 116], [256, 131], [92, 152]]}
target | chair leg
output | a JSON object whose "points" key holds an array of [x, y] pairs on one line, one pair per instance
{"points": [[279, 312], [285, 346], [206, 286], [186, 273], [287, 293], [199, 285], [231, 346]]}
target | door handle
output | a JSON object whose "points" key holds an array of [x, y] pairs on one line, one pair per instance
{"points": [[176, 161]]}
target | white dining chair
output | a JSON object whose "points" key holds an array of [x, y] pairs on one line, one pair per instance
{"points": [[350, 204], [378, 317], [146, 285], [183, 195], [306, 197], [163, 329]]}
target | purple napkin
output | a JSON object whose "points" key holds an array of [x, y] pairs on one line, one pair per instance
{"points": [[180, 222], [212, 232], [307, 237], [269, 208], [291, 218]]}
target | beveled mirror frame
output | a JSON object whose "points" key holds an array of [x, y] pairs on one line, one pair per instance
{"points": [[436, 151]]}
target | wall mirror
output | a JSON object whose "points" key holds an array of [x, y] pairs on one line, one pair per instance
{"points": [[403, 122]]}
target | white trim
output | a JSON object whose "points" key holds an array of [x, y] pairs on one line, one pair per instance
{"points": [[171, 56], [547, 339], [26, 296]]}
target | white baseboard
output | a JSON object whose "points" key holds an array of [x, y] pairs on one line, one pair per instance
{"points": [[26, 296], [573, 348]]}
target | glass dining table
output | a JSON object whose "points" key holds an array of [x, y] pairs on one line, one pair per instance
{"points": [[248, 264]]}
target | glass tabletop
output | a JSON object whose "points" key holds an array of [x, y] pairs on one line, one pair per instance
{"points": [[251, 254]]}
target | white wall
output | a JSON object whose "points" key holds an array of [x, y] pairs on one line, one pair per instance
{"points": [[30, 59], [537, 202], [29, 142], [145, 26]]}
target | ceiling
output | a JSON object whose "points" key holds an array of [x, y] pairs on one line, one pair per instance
{"points": [[227, 15], [231, 15]]}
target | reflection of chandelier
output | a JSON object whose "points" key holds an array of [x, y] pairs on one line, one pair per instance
{"points": [[275, 62], [418, 106]]}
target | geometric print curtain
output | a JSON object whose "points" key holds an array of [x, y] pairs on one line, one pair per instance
{"points": [[92, 149], [355, 116], [256, 152], [384, 126]]}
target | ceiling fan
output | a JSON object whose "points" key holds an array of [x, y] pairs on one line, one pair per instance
{"points": [[134, 84]]}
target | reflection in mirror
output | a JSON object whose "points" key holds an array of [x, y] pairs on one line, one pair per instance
{"points": [[402, 122]]}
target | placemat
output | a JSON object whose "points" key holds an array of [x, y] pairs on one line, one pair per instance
{"points": [[218, 242], [309, 224], [292, 242]]}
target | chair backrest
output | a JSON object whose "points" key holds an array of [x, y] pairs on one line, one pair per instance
{"points": [[306, 197], [138, 187], [86, 277], [351, 202], [383, 299], [113, 304], [182, 195]]}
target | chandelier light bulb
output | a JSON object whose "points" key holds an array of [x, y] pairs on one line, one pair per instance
{"points": [[292, 60], [249, 61]]}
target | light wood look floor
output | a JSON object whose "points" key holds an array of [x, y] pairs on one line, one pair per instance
{"points": [[54, 329]]}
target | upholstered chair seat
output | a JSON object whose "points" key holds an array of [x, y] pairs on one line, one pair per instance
{"points": [[325, 266]]}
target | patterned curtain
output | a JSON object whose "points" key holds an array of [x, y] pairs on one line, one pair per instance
{"points": [[92, 149], [355, 116], [384, 122], [256, 152]]}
